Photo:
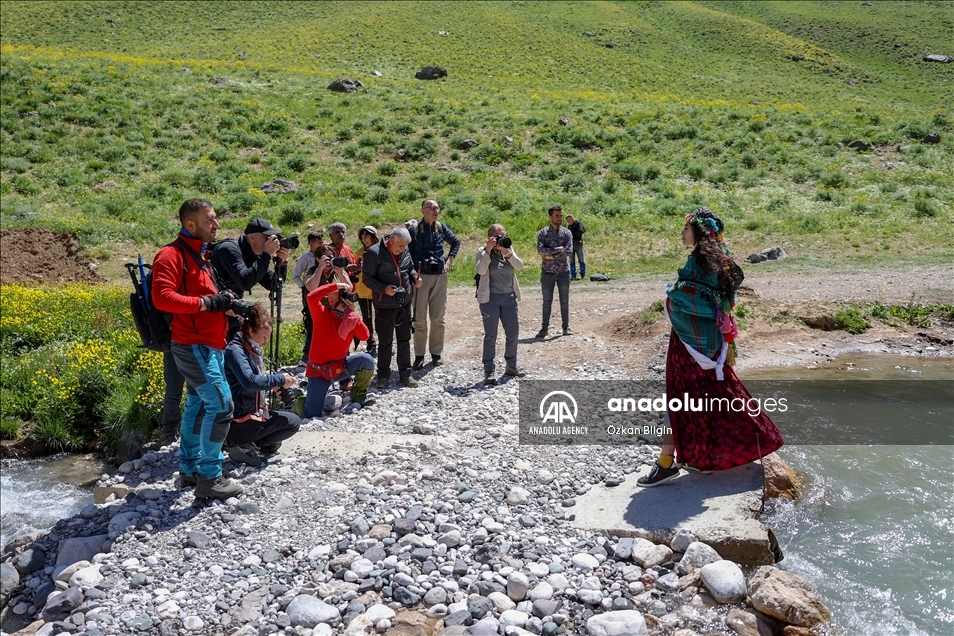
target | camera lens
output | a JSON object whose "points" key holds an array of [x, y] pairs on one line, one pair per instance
{"points": [[504, 241], [290, 243], [340, 261]]}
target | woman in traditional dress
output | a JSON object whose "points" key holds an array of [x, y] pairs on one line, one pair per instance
{"points": [[699, 364]]}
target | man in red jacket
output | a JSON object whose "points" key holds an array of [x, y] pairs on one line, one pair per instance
{"points": [[182, 285], [335, 324]]}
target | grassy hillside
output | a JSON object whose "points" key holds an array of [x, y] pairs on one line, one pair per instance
{"points": [[113, 113]]}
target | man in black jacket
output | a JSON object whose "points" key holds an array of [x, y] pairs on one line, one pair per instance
{"points": [[241, 263], [389, 273], [576, 229]]}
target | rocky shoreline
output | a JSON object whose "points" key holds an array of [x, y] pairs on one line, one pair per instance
{"points": [[456, 529]]}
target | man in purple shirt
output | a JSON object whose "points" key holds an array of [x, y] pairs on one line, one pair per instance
{"points": [[555, 244]]}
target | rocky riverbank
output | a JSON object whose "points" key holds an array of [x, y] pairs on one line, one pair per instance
{"points": [[457, 529]]}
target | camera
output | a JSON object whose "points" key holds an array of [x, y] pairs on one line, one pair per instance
{"points": [[340, 261], [290, 243], [400, 296], [241, 308], [289, 396], [503, 241], [431, 265], [351, 296]]}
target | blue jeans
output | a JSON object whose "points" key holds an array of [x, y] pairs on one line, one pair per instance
{"points": [[208, 409], [577, 253], [318, 387], [500, 308], [562, 281]]}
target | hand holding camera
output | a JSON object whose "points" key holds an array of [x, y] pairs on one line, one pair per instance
{"points": [[219, 302], [340, 261]]}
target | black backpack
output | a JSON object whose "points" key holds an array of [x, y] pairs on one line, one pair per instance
{"points": [[154, 325]]}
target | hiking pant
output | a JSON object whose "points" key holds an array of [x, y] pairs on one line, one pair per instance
{"points": [[172, 402], [318, 387], [385, 322], [430, 299], [208, 409], [577, 253], [267, 435], [562, 281], [308, 324], [500, 308]]}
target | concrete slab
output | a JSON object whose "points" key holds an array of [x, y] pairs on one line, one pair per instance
{"points": [[719, 509], [345, 444]]}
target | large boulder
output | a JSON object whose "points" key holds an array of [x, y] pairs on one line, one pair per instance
{"points": [[943, 59], [431, 73], [309, 611], [345, 85], [9, 581], [787, 597], [697, 555], [623, 623], [279, 186], [780, 479], [724, 580]]}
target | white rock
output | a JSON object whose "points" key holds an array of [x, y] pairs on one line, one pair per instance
{"points": [[87, 578], [623, 623], [379, 612], [309, 611], [542, 590], [319, 551], [538, 569], [361, 567], [682, 540], [545, 477], [584, 561], [724, 580], [193, 623], [361, 625], [66, 573], [501, 601], [517, 586], [697, 555], [592, 597], [518, 496], [648, 554], [513, 617], [558, 581], [169, 609]]}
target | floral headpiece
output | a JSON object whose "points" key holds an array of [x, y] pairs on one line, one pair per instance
{"points": [[709, 223]]}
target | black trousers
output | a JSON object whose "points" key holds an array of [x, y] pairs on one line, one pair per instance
{"points": [[367, 315], [385, 322], [267, 435]]}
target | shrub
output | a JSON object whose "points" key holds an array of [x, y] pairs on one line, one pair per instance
{"points": [[377, 194], [833, 179], [292, 214], [14, 164], [498, 199], [388, 168], [298, 163], [924, 207], [851, 320], [239, 203], [748, 159], [696, 170], [573, 183], [630, 171]]}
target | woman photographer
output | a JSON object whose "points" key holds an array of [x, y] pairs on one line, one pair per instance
{"points": [[698, 364], [255, 432], [498, 293], [368, 236]]}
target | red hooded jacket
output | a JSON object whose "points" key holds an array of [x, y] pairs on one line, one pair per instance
{"points": [[326, 345]]}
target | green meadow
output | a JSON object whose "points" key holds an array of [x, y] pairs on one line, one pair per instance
{"points": [[115, 112]]}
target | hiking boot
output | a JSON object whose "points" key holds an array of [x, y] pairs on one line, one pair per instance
{"points": [[516, 372], [372, 350], [268, 453], [542, 333], [345, 385], [381, 383], [187, 481], [218, 488], [490, 380], [365, 401], [418, 363], [436, 361], [409, 382], [245, 455], [567, 332], [658, 475]]}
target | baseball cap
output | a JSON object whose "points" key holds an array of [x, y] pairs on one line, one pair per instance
{"points": [[369, 229], [260, 225]]}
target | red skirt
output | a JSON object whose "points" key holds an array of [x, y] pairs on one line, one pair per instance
{"points": [[708, 439]]}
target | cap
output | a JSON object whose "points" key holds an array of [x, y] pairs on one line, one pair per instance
{"points": [[260, 225], [369, 229]]}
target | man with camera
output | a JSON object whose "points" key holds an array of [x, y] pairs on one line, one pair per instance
{"points": [[336, 323], [304, 264], [498, 293], [427, 251], [388, 271], [244, 262], [184, 287], [554, 244]]}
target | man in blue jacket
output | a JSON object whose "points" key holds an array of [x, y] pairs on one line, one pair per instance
{"points": [[427, 251]]}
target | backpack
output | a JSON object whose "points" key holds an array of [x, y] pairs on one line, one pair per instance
{"points": [[154, 325]]}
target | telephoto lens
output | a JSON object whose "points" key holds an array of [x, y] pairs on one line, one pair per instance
{"points": [[241, 308], [290, 243], [340, 261], [353, 297]]}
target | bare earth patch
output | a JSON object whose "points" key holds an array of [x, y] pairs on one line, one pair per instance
{"points": [[35, 255]]}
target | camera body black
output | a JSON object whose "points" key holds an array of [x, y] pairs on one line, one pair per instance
{"points": [[241, 308], [289, 396], [353, 297], [431, 265], [290, 243], [340, 261], [400, 296], [503, 241]]}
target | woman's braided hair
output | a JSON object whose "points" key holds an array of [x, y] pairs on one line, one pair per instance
{"points": [[711, 251]]}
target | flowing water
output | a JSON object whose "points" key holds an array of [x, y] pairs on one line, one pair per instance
{"points": [[874, 533], [36, 493]]}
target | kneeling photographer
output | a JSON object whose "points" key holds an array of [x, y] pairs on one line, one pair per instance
{"points": [[335, 324], [256, 433], [388, 272]]}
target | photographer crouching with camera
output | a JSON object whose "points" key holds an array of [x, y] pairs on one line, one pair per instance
{"points": [[388, 271], [335, 324], [256, 433]]}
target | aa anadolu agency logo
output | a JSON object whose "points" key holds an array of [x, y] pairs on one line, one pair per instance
{"points": [[555, 408]]}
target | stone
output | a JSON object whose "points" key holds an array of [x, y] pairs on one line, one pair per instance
{"points": [[9, 581], [772, 253], [360, 625], [724, 580], [309, 611], [192, 623], [406, 597], [169, 609], [435, 596], [501, 601], [71, 551], [681, 540], [198, 539], [542, 608], [380, 531], [780, 479], [101, 494], [512, 617], [345, 85], [467, 144], [697, 555], [541, 591], [624, 549], [379, 612], [517, 586], [404, 525], [585, 562], [279, 186], [122, 521], [932, 138], [451, 539], [30, 560], [625, 623], [62, 605], [941, 59], [518, 496], [457, 618], [431, 73], [88, 577], [857, 144], [648, 554], [747, 623], [479, 606], [590, 597], [487, 626], [787, 597]]}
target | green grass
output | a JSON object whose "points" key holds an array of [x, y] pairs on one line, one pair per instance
{"points": [[696, 103]]}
